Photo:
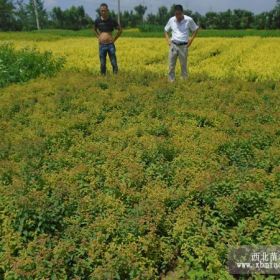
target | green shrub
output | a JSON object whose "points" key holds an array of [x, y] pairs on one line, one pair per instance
{"points": [[22, 65], [238, 153]]}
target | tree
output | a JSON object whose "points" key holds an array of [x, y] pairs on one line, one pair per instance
{"points": [[140, 11], [151, 19], [225, 19], [259, 21], [7, 15], [126, 18], [22, 15], [36, 14], [74, 18], [212, 20], [276, 15], [57, 17], [162, 15], [27, 17]]}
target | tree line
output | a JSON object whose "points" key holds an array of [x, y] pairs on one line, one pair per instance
{"points": [[18, 15]]}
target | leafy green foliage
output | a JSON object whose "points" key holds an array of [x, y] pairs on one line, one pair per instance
{"points": [[238, 153], [22, 65]]}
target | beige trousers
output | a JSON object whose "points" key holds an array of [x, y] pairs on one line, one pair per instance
{"points": [[175, 52]]}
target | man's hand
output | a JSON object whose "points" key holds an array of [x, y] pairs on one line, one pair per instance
{"points": [[96, 32], [192, 38], [167, 39], [189, 43], [118, 34]]}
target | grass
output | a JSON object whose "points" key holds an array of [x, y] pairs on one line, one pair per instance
{"points": [[239, 33], [228, 33], [56, 34]]}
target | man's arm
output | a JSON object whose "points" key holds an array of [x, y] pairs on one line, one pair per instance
{"points": [[96, 31], [194, 28], [167, 28], [192, 38], [167, 38], [119, 28]]}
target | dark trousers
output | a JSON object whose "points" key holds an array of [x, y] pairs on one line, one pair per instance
{"points": [[109, 49]]}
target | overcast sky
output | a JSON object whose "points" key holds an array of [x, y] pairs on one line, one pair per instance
{"points": [[202, 6]]}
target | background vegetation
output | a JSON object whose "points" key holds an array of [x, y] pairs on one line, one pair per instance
{"points": [[144, 31], [16, 15]]}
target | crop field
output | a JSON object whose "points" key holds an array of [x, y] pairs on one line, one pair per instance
{"points": [[131, 177], [249, 59]]}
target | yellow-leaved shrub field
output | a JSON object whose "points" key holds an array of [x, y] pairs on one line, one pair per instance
{"points": [[249, 58], [131, 177]]}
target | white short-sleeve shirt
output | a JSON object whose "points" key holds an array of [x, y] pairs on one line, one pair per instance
{"points": [[180, 30]]}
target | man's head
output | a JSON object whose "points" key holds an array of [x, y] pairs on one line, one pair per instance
{"points": [[104, 10], [179, 12]]}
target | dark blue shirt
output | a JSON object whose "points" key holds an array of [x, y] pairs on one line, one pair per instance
{"points": [[106, 25]]}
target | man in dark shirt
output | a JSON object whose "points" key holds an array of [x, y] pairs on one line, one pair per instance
{"points": [[103, 27]]}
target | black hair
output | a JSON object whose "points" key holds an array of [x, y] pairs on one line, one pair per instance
{"points": [[178, 8], [104, 5]]}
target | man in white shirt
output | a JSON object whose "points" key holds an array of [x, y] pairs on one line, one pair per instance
{"points": [[179, 25]]}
